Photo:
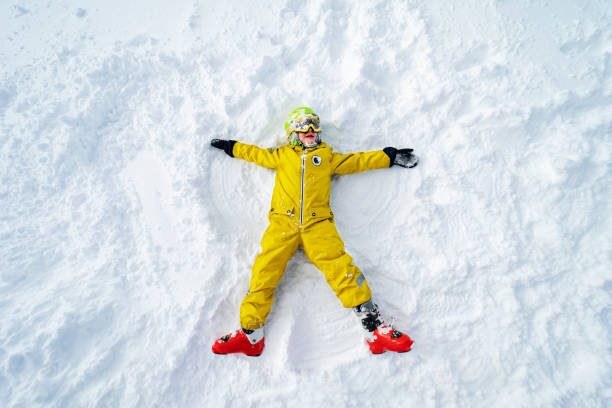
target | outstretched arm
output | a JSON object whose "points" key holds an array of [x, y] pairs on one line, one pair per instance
{"points": [[357, 162], [251, 153]]}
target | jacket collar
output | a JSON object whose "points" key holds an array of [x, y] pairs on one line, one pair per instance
{"points": [[309, 149]]}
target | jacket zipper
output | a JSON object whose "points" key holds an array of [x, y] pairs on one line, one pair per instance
{"points": [[302, 198]]}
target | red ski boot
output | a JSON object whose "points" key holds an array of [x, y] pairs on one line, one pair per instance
{"points": [[386, 338], [238, 342], [380, 336]]}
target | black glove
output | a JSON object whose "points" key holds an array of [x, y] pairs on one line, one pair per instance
{"points": [[401, 157], [225, 145]]}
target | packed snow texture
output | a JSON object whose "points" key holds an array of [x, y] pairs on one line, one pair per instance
{"points": [[126, 241]]}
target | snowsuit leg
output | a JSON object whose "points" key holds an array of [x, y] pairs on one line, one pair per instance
{"points": [[325, 249], [278, 245]]}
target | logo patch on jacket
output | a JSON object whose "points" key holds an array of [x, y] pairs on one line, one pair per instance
{"points": [[316, 160]]}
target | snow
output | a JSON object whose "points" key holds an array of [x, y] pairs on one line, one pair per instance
{"points": [[126, 241]]}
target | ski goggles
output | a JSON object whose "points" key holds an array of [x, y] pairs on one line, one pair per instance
{"points": [[303, 123]]}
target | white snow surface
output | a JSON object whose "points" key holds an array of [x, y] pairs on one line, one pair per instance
{"points": [[126, 241]]}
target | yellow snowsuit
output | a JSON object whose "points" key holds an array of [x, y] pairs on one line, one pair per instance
{"points": [[300, 215]]}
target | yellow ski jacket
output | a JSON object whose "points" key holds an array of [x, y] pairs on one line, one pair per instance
{"points": [[303, 176]]}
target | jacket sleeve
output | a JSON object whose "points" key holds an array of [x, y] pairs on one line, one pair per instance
{"points": [[356, 162], [261, 157]]}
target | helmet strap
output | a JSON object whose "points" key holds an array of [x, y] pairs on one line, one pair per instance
{"points": [[294, 140]]}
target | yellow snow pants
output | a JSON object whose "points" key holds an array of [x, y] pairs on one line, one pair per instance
{"points": [[322, 245]]}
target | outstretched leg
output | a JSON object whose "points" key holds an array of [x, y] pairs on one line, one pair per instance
{"points": [[325, 249], [278, 244]]}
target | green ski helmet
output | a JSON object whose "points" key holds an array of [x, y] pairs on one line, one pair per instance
{"points": [[300, 120]]}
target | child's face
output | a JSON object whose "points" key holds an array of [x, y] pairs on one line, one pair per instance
{"points": [[308, 137]]}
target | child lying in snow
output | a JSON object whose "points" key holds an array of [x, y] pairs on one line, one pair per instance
{"points": [[300, 215]]}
